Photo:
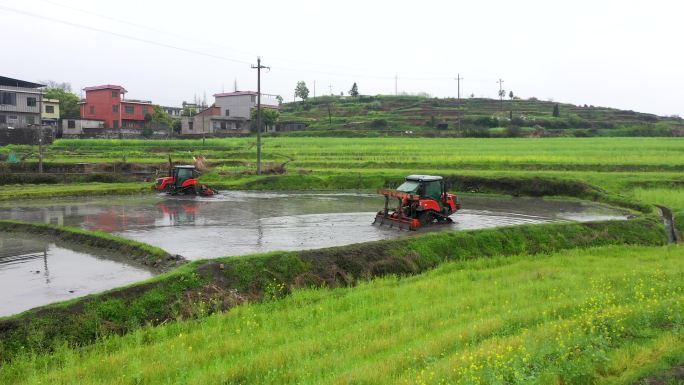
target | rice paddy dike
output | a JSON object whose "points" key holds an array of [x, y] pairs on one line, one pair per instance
{"points": [[621, 327]]}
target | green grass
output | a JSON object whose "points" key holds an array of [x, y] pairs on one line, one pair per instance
{"points": [[673, 198], [29, 191], [177, 293], [607, 316]]}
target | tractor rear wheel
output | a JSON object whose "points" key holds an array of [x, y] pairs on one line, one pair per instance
{"points": [[426, 217]]}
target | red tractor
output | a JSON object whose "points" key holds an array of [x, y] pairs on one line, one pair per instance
{"points": [[182, 180], [422, 200]]}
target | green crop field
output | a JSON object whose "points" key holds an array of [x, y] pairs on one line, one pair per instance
{"points": [[608, 315], [635, 167]]}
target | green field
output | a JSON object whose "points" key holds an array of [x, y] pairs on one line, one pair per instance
{"points": [[607, 315], [635, 167]]}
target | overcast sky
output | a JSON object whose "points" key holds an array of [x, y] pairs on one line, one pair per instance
{"points": [[623, 54]]}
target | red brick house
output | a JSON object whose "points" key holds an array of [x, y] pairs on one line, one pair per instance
{"points": [[107, 103]]}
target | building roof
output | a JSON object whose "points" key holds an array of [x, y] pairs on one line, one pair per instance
{"points": [[423, 178], [5, 81], [236, 93], [105, 87], [135, 101]]}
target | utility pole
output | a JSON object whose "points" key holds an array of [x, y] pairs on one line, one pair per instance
{"points": [[330, 87], [258, 68], [396, 78], [458, 104], [500, 81]]}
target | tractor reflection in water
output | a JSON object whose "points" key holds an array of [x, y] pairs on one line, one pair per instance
{"points": [[179, 212], [183, 181]]}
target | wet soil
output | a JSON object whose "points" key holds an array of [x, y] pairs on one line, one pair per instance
{"points": [[238, 223]]}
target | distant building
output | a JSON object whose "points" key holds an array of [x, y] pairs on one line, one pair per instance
{"points": [[50, 112], [107, 103], [229, 116], [210, 122], [241, 103], [20, 103], [174, 112], [76, 128]]}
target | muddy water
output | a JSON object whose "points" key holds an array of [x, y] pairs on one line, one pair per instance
{"points": [[35, 271], [237, 223]]}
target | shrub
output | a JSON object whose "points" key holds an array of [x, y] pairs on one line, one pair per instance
{"points": [[378, 123]]}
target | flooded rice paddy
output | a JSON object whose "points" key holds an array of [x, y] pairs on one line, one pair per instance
{"points": [[36, 271]]}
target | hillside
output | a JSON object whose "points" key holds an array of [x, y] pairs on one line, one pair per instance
{"points": [[394, 115]]}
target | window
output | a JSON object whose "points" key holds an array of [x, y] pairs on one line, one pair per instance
{"points": [[227, 112], [50, 109], [144, 110], [12, 118], [30, 120], [115, 123], [92, 109], [8, 98], [129, 110], [3, 119], [190, 124], [224, 125], [31, 102], [71, 124], [124, 123], [115, 94], [115, 108], [216, 125]]}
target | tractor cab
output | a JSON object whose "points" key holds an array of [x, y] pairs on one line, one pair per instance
{"points": [[425, 186], [181, 174]]}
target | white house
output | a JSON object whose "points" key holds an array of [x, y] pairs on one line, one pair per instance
{"points": [[230, 115]]}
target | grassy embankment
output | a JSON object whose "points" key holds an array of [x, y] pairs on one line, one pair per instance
{"points": [[618, 165], [136, 251], [370, 116], [607, 315], [203, 286]]}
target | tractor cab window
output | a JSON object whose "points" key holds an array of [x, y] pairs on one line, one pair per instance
{"points": [[433, 190], [184, 174], [410, 187]]}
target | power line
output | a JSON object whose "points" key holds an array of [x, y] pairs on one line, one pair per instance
{"points": [[121, 35]]}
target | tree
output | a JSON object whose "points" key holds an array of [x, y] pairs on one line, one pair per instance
{"points": [[68, 102], [161, 117], [301, 90], [502, 94], [556, 111], [269, 117], [176, 126], [354, 91], [279, 99], [510, 95], [66, 86]]}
